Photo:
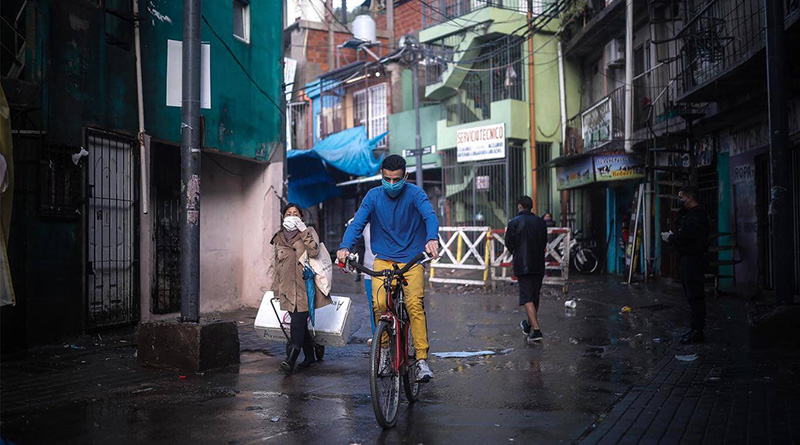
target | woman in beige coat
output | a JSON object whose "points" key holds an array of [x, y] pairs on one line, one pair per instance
{"points": [[290, 242]]}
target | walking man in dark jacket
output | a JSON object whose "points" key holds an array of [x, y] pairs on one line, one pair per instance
{"points": [[526, 239], [691, 242]]}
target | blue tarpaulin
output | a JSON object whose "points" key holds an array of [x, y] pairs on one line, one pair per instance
{"points": [[349, 151]]}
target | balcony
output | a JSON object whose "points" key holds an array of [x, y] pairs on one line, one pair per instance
{"points": [[601, 126], [435, 12], [721, 37]]}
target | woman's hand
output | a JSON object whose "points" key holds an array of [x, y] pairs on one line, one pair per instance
{"points": [[301, 226]]}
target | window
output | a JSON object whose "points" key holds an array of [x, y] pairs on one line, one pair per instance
{"points": [[378, 115], [370, 109], [360, 108], [241, 20], [59, 182]]}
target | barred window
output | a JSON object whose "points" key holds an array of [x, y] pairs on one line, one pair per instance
{"points": [[59, 182]]}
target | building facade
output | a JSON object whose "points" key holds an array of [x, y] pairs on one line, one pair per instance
{"points": [[95, 220]]}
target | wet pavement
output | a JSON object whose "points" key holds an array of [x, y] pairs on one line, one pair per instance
{"points": [[576, 385]]}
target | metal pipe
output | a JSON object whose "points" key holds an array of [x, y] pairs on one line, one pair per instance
{"points": [[562, 91], [780, 205], [143, 167], [417, 138], [329, 8], [190, 163], [628, 76]]}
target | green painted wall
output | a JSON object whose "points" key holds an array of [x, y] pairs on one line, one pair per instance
{"points": [[545, 85], [402, 130], [241, 121], [513, 113], [407, 79], [88, 80]]}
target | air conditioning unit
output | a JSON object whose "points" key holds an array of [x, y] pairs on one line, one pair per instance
{"points": [[614, 53]]}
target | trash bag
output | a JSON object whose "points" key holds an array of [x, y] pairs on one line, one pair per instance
{"points": [[308, 277]]}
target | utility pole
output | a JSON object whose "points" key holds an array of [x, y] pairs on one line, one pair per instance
{"points": [[414, 51], [531, 112], [780, 206], [190, 164]]}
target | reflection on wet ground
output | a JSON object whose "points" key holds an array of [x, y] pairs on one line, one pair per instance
{"points": [[546, 392]]}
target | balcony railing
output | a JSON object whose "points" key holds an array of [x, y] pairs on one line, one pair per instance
{"points": [[496, 76], [579, 13], [604, 121], [435, 12], [720, 34]]}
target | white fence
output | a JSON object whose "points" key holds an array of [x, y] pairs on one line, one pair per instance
{"points": [[483, 249]]}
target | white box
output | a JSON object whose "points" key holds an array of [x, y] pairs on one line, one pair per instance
{"points": [[333, 322]]}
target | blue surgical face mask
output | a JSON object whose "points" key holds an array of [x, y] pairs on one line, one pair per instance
{"points": [[393, 189]]}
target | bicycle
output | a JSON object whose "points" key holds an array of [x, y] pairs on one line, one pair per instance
{"points": [[400, 356], [582, 258]]}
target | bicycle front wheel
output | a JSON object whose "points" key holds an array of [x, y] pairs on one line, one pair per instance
{"points": [[589, 263], [384, 378]]}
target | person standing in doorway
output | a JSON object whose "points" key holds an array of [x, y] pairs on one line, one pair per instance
{"points": [[691, 242], [526, 239]]}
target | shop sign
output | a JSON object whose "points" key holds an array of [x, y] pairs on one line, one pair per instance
{"points": [[617, 168], [481, 143], [575, 175], [596, 125]]}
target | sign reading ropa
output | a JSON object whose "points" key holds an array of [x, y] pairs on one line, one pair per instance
{"points": [[481, 143]]}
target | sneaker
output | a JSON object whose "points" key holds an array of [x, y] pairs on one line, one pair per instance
{"points": [[369, 342], [526, 327], [691, 337], [534, 337], [424, 373]]}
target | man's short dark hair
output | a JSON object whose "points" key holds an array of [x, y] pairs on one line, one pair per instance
{"points": [[394, 162], [526, 202], [691, 192]]}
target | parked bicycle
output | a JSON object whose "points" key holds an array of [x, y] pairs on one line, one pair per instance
{"points": [[581, 258], [392, 355]]}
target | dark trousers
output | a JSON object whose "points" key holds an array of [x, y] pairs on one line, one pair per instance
{"points": [[299, 334], [692, 270]]}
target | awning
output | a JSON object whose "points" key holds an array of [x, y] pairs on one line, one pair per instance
{"points": [[409, 170], [350, 151]]}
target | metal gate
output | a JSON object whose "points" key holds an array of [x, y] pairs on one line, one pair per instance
{"points": [[112, 273], [166, 182], [482, 193]]}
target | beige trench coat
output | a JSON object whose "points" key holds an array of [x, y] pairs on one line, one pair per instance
{"points": [[288, 284]]}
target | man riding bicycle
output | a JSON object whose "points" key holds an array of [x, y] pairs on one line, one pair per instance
{"points": [[402, 224]]}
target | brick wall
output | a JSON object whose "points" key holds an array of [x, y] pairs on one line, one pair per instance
{"points": [[407, 18], [317, 49]]}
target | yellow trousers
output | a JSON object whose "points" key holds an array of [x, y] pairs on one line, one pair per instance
{"points": [[415, 292]]}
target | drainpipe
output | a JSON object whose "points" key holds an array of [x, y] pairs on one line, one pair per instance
{"points": [[329, 13], [140, 104], [562, 90], [628, 76]]}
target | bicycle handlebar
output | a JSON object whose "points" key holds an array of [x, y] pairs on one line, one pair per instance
{"points": [[421, 258]]}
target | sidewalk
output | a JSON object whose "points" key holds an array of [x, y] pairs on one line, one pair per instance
{"points": [[729, 394]]}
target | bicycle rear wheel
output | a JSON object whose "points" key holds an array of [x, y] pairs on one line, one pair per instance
{"points": [[384, 379], [410, 384]]}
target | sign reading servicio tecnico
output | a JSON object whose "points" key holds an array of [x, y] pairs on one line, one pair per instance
{"points": [[481, 143]]}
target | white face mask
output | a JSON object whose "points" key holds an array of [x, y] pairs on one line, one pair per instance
{"points": [[290, 222]]}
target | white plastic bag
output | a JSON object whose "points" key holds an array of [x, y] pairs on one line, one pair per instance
{"points": [[322, 267]]}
